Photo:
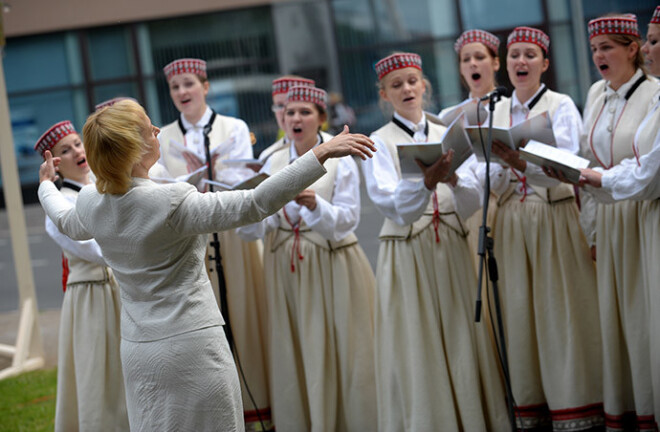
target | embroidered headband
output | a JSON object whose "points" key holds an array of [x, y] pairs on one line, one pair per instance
{"points": [[307, 94], [185, 65], [623, 25], [53, 135], [397, 61], [282, 85], [655, 19], [484, 37], [530, 35]]}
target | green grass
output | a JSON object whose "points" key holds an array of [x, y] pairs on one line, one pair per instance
{"points": [[27, 402]]}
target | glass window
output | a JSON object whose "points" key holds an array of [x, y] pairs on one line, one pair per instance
{"points": [[110, 52], [108, 91], [360, 22], [562, 57], [493, 15], [593, 9], [239, 48], [35, 62]]}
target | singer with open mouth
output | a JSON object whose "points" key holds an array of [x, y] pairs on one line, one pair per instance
{"points": [[548, 281], [229, 138], [478, 64], [435, 368], [616, 107], [90, 385]]}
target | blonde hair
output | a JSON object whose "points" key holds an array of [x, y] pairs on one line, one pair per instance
{"points": [[114, 144], [625, 40]]}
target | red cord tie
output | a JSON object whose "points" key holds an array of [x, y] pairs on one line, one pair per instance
{"points": [[296, 241], [65, 272], [522, 180], [436, 217]]}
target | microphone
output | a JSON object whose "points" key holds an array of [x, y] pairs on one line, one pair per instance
{"points": [[499, 91]]}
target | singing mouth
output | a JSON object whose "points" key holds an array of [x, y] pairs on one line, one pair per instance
{"points": [[408, 99], [185, 101], [522, 73], [603, 67], [81, 161], [297, 130], [476, 76]]}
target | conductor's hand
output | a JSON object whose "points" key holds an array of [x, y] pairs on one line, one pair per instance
{"points": [[48, 169], [439, 171], [591, 178], [306, 198], [345, 144], [510, 156]]}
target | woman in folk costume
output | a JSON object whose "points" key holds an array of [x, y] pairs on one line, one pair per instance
{"points": [[618, 127], [280, 88], [551, 326], [241, 261], [435, 368], [90, 387], [478, 64], [178, 370], [320, 288]]}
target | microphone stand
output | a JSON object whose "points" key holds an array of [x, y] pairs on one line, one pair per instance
{"points": [[217, 257], [486, 247]]}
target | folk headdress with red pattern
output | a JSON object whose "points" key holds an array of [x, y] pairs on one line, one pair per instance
{"points": [[53, 135], [185, 65], [282, 85], [481, 36], [397, 61], [622, 25], [530, 35], [307, 94], [655, 19]]}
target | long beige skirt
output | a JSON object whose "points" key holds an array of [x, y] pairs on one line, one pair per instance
{"points": [[550, 313], [650, 224], [435, 367], [322, 354], [90, 384], [242, 263], [624, 303]]}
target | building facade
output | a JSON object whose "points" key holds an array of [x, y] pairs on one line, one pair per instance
{"points": [[64, 57]]}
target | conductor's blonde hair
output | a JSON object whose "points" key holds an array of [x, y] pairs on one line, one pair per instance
{"points": [[114, 143]]}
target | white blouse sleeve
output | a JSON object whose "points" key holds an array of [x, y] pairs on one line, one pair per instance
{"points": [[628, 180], [337, 219], [468, 192], [241, 148], [61, 212], [567, 128], [87, 250], [401, 200]]}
